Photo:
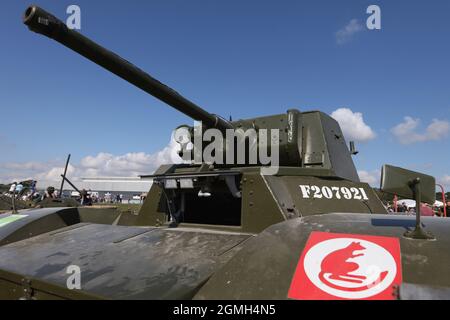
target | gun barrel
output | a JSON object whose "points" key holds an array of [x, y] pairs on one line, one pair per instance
{"points": [[42, 22]]}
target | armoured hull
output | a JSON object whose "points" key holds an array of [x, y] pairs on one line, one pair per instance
{"points": [[231, 230], [160, 263]]}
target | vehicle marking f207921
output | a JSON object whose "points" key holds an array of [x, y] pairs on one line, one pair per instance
{"points": [[333, 192]]}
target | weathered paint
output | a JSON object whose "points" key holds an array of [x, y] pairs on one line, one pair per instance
{"points": [[258, 273], [34, 222], [119, 262]]}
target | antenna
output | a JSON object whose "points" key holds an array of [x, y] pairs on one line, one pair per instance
{"points": [[64, 177]]}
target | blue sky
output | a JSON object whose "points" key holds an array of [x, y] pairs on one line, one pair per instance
{"points": [[239, 58]]}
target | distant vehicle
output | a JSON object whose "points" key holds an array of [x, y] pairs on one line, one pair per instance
{"points": [[74, 194], [93, 194]]}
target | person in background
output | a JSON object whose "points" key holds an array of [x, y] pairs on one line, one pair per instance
{"points": [[440, 211], [405, 207], [50, 193], [12, 189], [86, 199], [12, 193], [19, 188], [32, 190]]}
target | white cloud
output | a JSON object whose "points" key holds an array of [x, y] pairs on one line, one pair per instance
{"points": [[445, 181], [353, 125], [130, 164], [345, 34], [370, 177], [405, 132], [100, 165]]}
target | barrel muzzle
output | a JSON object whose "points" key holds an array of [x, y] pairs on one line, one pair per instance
{"points": [[40, 21]]}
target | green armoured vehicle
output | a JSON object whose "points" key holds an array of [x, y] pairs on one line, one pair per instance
{"points": [[310, 230]]}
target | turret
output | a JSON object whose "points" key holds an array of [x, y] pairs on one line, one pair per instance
{"points": [[304, 139]]}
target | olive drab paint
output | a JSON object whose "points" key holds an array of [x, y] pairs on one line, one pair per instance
{"points": [[230, 230]]}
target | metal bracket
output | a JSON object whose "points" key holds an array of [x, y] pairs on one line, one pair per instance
{"points": [[418, 233]]}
